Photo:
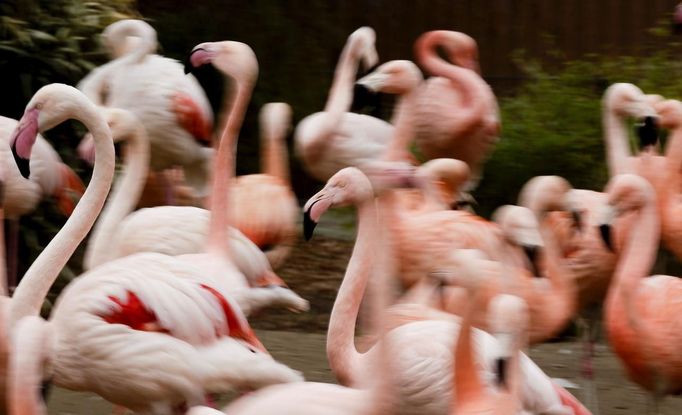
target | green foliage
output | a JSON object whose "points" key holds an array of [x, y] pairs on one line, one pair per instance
{"points": [[552, 125], [45, 41]]}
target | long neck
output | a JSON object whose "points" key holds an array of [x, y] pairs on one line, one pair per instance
{"points": [[223, 171], [4, 292], [404, 127], [341, 92], [467, 384], [31, 291], [274, 154], [123, 199], [469, 84], [616, 141], [344, 358], [635, 262]]}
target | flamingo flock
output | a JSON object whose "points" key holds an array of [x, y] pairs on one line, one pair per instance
{"points": [[159, 321]]}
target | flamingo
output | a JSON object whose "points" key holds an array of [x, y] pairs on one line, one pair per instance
{"points": [[183, 230], [622, 101], [173, 107], [670, 117], [424, 239], [422, 375], [117, 235], [330, 140], [265, 206], [456, 114], [373, 398], [150, 333], [641, 314]]}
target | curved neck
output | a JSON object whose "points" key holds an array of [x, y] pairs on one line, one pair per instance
{"points": [[274, 154], [4, 292], [31, 291], [223, 171], [403, 121], [616, 141], [341, 92], [344, 358], [635, 262], [122, 201], [469, 84]]}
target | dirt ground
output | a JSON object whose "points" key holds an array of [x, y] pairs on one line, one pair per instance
{"points": [[315, 270]]}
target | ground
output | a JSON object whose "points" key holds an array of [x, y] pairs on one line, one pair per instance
{"points": [[315, 270]]}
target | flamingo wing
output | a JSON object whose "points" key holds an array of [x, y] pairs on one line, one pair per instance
{"points": [[191, 117]]}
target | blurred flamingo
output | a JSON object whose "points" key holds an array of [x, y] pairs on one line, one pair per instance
{"points": [[137, 323], [670, 117], [456, 114], [173, 107], [419, 363], [330, 140], [642, 314], [265, 208]]}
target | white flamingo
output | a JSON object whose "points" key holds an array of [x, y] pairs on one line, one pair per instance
{"points": [[148, 332], [330, 140]]}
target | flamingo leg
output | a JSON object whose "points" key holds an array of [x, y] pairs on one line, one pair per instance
{"points": [[588, 336], [12, 253]]}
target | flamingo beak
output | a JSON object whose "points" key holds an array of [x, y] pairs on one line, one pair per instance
{"points": [[605, 232], [198, 57], [312, 211], [22, 140], [648, 132], [607, 216]]}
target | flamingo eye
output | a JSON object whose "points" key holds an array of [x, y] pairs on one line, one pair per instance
{"points": [[39, 106]]}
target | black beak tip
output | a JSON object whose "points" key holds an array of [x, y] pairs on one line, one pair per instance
{"points": [[501, 372], [605, 231], [308, 225], [648, 132], [22, 163]]}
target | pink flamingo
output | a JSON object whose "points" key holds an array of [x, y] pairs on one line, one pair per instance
{"points": [[642, 313], [667, 190], [158, 334], [330, 140], [419, 363], [457, 114], [424, 239], [375, 397], [173, 107], [265, 207]]}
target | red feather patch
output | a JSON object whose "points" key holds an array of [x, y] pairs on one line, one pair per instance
{"points": [[134, 314]]}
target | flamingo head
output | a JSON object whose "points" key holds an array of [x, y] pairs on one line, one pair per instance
{"points": [[362, 42], [123, 125], [628, 101], [235, 59], [394, 77], [520, 227], [626, 193], [449, 176], [508, 321], [347, 187], [48, 107], [544, 194]]}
